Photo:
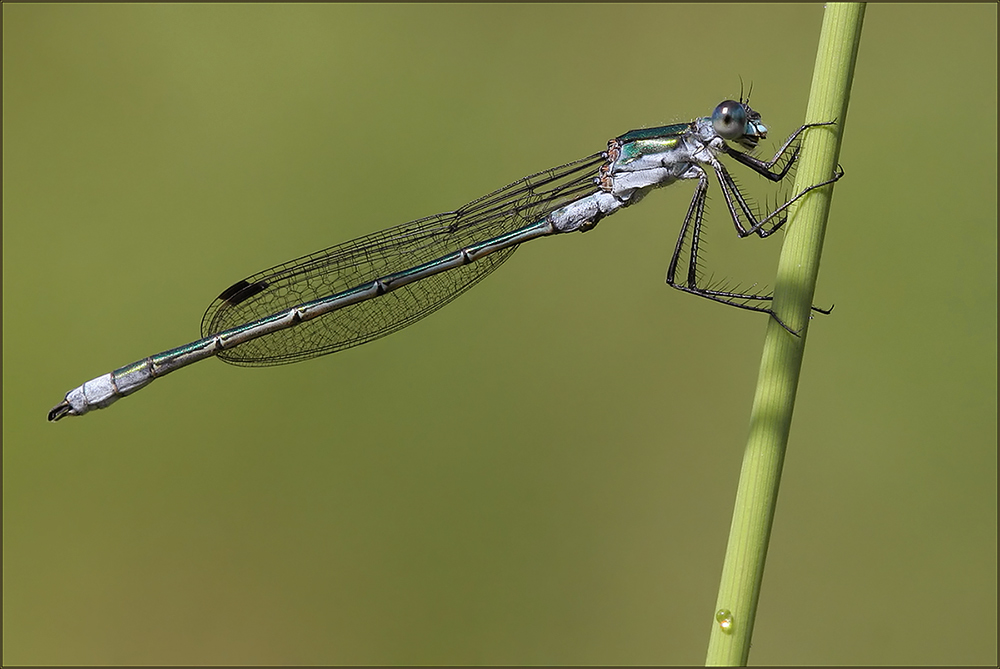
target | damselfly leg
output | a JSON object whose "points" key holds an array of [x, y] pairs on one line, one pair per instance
{"points": [[746, 221]]}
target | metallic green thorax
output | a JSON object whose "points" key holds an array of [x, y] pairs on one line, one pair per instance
{"points": [[662, 132], [637, 143]]}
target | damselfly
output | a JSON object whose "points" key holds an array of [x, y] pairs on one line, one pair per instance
{"points": [[366, 288]]}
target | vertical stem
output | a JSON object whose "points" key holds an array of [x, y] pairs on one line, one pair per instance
{"points": [[774, 399]]}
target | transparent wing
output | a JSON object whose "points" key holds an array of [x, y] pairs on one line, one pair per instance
{"points": [[363, 260]]}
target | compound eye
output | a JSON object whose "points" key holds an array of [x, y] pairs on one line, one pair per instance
{"points": [[730, 119]]}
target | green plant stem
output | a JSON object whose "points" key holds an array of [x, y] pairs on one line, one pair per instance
{"points": [[774, 399]]}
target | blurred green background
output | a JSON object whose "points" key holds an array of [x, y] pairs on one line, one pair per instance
{"points": [[544, 471]]}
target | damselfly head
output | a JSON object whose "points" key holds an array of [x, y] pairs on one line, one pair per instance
{"points": [[737, 122]]}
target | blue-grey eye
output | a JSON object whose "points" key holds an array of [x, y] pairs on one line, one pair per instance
{"points": [[729, 119]]}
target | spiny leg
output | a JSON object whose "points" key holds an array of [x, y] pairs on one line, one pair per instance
{"points": [[731, 191], [693, 225], [734, 198], [695, 212]]}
